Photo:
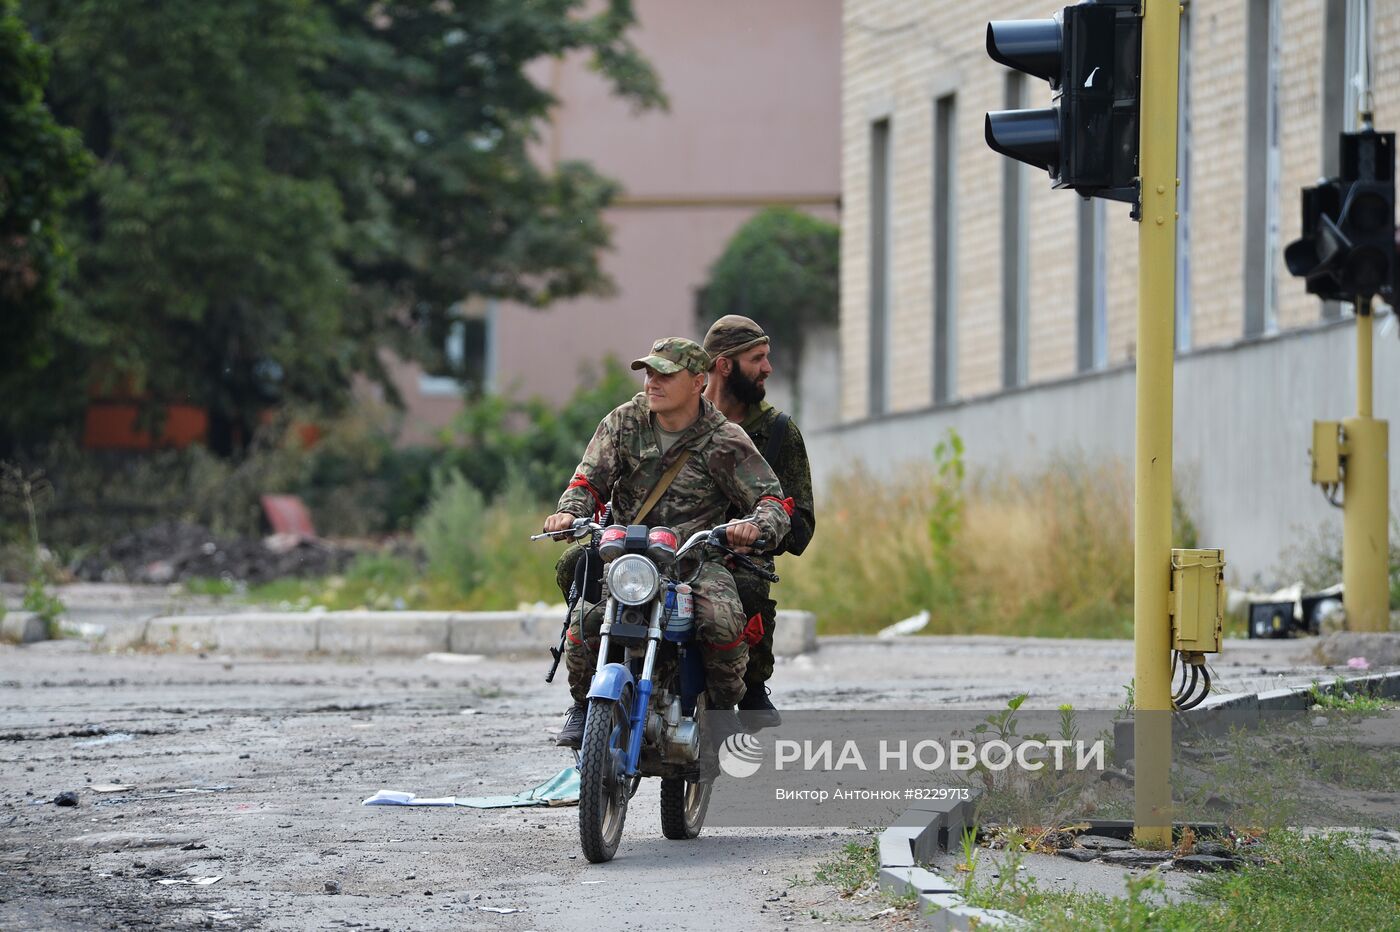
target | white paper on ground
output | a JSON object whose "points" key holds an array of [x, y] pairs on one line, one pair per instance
{"points": [[397, 798]]}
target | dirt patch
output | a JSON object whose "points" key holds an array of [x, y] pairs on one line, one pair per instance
{"points": [[175, 551]]}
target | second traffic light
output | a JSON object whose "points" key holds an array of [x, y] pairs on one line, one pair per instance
{"points": [[1347, 250], [1088, 139]]}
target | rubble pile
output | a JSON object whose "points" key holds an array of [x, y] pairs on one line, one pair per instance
{"points": [[175, 551]]}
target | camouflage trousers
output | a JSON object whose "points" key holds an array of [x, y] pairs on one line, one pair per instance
{"points": [[753, 595], [719, 627]]}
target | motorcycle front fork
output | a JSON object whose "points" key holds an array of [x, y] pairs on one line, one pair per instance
{"points": [[641, 695]]}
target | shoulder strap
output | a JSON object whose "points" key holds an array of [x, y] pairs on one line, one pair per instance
{"points": [[661, 486], [775, 439]]}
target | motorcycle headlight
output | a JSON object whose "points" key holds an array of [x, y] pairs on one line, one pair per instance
{"points": [[633, 579]]}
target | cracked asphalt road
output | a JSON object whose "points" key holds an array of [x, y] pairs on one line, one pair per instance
{"points": [[285, 750]]}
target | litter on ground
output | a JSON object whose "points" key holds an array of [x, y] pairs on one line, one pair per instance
{"points": [[559, 790]]}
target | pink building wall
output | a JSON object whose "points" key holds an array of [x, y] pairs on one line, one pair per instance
{"points": [[755, 92]]}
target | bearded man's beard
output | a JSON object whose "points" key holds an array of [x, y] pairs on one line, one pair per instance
{"points": [[742, 388]]}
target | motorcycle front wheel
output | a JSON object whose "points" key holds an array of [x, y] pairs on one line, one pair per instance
{"points": [[603, 790], [684, 802]]}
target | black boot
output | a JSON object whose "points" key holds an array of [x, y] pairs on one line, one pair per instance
{"points": [[756, 710], [571, 735]]}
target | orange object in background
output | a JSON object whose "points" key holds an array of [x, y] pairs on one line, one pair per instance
{"points": [[111, 425], [288, 514]]}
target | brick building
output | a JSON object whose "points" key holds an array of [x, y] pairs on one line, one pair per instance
{"points": [[975, 297], [1023, 284]]}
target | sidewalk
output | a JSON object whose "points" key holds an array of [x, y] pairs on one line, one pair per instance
{"points": [[123, 617]]}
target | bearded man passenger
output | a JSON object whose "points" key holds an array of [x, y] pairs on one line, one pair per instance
{"points": [[740, 365]]}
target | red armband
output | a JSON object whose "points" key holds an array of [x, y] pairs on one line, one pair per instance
{"points": [[753, 631], [580, 481], [788, 504]]}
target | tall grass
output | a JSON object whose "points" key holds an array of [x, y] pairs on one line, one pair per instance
{"points": [[1049, 553]]}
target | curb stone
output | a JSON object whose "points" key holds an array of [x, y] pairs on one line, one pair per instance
{"points": [[370, 633], [23, 628], [1218, 714], [912, 838]]}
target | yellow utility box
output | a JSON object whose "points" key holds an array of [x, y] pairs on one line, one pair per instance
{"points": [[1326, 453], [1198, 600]]}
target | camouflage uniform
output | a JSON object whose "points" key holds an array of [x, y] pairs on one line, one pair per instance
{"points": [[724, 475], [795, 474], [731, 335]]}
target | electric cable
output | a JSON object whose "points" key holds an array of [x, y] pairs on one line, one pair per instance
{"points": [[1329, 492]]}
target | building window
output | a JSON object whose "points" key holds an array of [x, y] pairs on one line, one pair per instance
{"points": [[1360, 26], [1014, 250], [944, 233], [1343, 55], [1183, 193], [879, 265], [468, 361], [1092, 286], [1262, 169]]}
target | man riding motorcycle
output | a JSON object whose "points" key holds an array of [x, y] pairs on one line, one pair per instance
{"points": [[635, 449]]}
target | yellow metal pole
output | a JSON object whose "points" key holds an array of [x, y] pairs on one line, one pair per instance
{"points": [[1364, 354], [1152, 507], [1366, 491]]}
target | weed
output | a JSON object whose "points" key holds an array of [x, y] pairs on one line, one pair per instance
{"points": [[217, 588], [29, 489], [1290, 882], [1341, 696], [1129, 704], [968, 864], [854, 868]]}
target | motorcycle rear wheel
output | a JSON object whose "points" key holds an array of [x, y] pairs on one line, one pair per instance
{"points": [[603, 792], [685, 802]]}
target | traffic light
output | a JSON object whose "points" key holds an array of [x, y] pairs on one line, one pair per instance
{"points": [[1347, 249], [1088, 139]]}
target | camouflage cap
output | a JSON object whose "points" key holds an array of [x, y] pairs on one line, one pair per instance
{"points": [[733, 334], [672, 354]]}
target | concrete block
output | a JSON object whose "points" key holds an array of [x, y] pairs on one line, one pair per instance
{"points": [[903, 880], [112, 633], [1122, 742], [952, 826], [1381, 649], [794, 632], [1285, 700], [503, 632], [896, 848], [1219, 714], [915, 818], [266, 633], [23, 628], [381, 633], [182, 632]]}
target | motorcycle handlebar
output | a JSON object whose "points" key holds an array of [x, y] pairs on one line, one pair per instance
{"points": [[580, 528]]}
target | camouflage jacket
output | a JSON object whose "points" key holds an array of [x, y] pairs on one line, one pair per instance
{"points": [[725, 474], [793, 471]]}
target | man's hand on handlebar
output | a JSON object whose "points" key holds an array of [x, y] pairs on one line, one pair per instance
{"points": [[742, 535], [559, 521]]}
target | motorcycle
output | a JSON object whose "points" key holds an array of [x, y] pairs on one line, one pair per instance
{"points": [[646, 702]]}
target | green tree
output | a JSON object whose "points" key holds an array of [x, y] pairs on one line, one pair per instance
{"points": [[780, 268], [41, 167], [288, 187]]}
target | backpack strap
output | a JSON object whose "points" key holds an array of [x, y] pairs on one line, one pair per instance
{"points": [[775, 439], [661, 486]]}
